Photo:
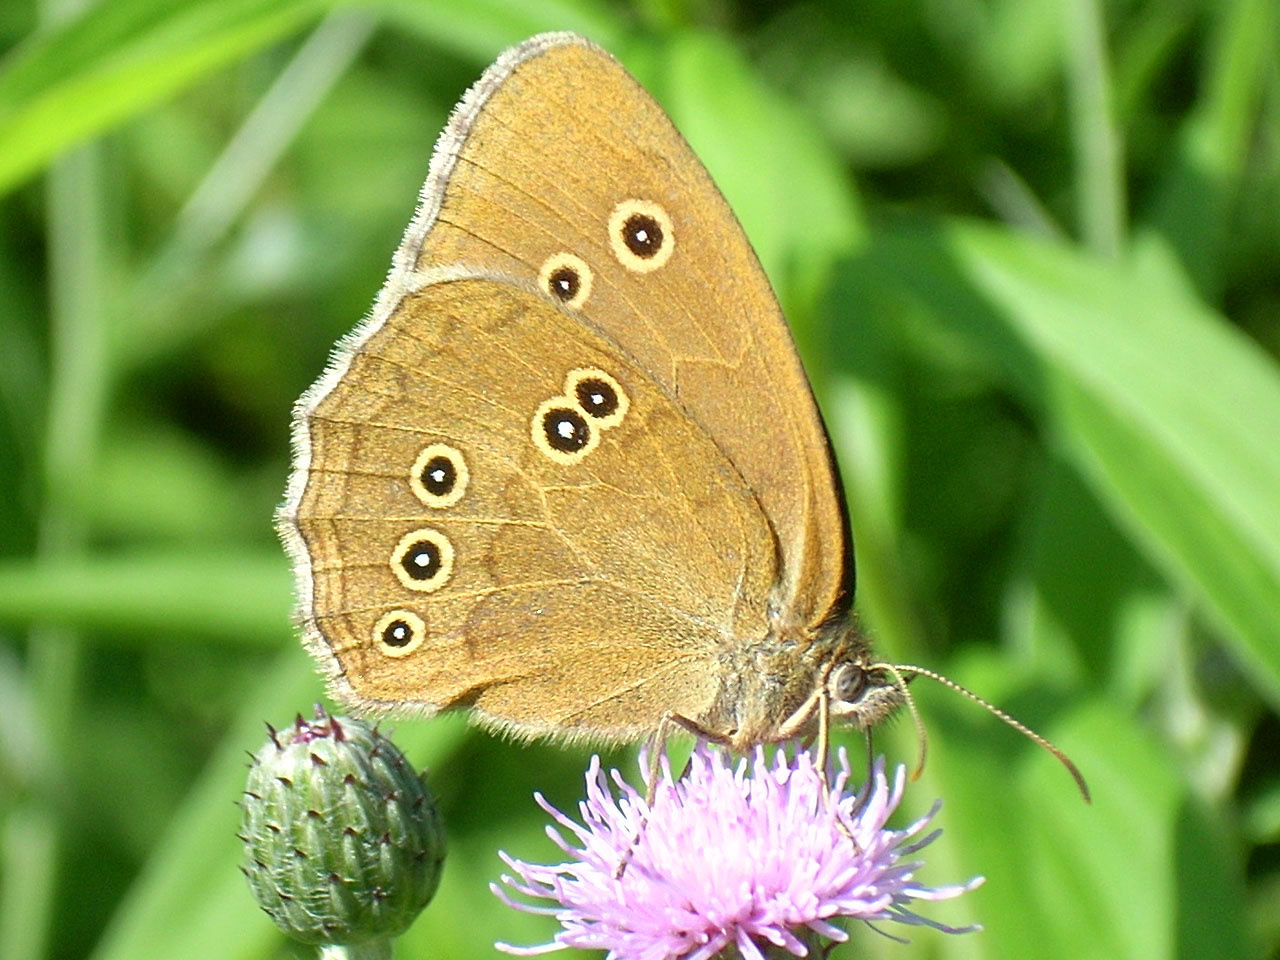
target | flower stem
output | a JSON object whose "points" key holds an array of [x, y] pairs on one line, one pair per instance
{"points": [[369, 950]]}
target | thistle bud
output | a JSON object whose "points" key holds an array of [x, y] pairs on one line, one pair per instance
{"points": [[343, 843]]}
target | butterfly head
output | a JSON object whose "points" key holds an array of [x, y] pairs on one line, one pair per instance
{"points": [[837, 679], [860, 694]]}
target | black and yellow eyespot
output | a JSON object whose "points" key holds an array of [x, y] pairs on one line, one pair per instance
{"points": [[598, 395], [562, 431], [399, 633], [439, 475], [423, 560], [566, 278], [640, 235]]}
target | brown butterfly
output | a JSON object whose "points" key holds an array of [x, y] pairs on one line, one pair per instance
{"points": [[570, 474]]}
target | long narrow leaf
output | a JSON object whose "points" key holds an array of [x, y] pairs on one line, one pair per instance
{"points": [[1166, 409]]}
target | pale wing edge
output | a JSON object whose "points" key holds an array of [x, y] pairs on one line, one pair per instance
{"points": [[401, 280]]}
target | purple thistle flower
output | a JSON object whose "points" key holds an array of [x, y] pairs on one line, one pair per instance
{"points": [[742, 856]]}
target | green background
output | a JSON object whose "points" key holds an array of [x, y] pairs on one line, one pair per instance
{"points": [[1031, 253]]}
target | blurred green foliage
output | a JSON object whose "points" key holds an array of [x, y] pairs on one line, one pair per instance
{"points": [[1031, 252]]}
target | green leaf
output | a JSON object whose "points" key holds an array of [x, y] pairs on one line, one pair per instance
{"points": [[82, 78], [1085, 596], [93, 73], [1169, 413], [1194, 207]]}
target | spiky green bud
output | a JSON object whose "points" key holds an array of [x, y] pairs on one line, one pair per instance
{"points": [[343, 843]]}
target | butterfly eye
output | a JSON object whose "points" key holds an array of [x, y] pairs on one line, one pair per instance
{"points": [[847, 683], [565, 283], [439, 476], [596, 397], [643, 235]]}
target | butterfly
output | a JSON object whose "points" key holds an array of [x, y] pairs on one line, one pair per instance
{"points": [[569, 474]]}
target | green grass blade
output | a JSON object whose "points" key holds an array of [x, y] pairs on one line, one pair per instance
{"points": [[1170, 412], [240, 596], [65, 85]]}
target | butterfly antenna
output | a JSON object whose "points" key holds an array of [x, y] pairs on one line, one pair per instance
{"points": [[1018, 725], [922, 735]]}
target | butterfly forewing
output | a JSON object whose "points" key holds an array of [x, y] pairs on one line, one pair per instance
{"points": [[550, 148]]}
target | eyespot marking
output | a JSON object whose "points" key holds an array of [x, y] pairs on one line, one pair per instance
{"points": [[399, 633], [598, 395], [566, 278], [439, 475], [423, 560], [562, 431], [640, 235]]}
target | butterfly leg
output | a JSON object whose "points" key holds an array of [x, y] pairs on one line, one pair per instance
{"points": [[824, 735], [657, 748], [824, 744], [864, 792]]}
